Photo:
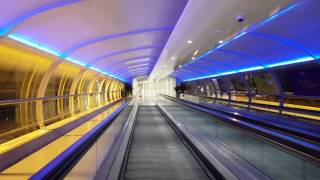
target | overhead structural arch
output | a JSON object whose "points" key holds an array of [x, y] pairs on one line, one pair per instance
{"points": [[152, 46], [283, 40], [242, 55], [11, 25], [74, 48], [133, 59], [125, 66]]}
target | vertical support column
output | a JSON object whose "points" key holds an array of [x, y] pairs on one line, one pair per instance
{"points": [[42, 89], [118, 90], [61, 101], [91, 91], [249, 90], [110, 90], [80, 90], [101, 91], [75, 83], [280, 89], [107, 93]]}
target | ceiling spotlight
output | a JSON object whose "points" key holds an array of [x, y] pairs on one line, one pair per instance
{"points": [[189, 41], [172, 58], [180, 66], [220, 42], [196, 52]]}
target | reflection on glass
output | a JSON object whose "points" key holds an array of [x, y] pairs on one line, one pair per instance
{"points": [[36, 91]]}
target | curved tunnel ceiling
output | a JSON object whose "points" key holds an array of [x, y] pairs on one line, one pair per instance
{"points": [[94, 33], [127, 39], [274, 33], [288, 36]]}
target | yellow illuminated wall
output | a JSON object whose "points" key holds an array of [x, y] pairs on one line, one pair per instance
{"points": [[37, 90]]}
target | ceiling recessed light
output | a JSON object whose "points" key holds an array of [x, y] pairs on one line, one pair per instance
{"points": [[189, 41], [173, 58], [196, 52], [180, 66], [220, 42]]}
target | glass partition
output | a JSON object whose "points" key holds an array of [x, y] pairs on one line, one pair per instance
{"points": [[37, 90]]}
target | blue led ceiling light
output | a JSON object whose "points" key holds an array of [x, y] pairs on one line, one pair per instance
{"points": [[287, 62], [10, 26], [56, 53], [292, 61], [33, 44], [76, 61]]}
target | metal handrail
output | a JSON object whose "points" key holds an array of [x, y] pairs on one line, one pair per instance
{"points": [[63, 163], [14, 101]]}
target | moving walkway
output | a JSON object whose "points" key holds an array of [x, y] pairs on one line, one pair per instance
{"points": [[174, 141], [301, 135], [147, 146], [166, 140]]}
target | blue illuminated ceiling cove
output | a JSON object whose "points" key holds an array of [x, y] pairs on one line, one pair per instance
{"points": [[290, 36], [123, 44]]}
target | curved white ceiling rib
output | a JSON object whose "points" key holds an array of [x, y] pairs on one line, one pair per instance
{"points": [[84, 30], [122, 66], [103, 57], [132, 60], [82, 44], [8, 26]]}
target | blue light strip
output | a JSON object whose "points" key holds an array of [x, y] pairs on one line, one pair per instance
{"points": [[56, 53], [33, 44], [293, 61]]}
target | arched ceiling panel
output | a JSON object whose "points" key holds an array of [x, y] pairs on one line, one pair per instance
{"points": [[298, 26], [124, 56], [133, 60], [97, 18], [266, 51], [104, 57], [288, 36], [114, 45], [84, 31], [232, 59], [15, 12]]}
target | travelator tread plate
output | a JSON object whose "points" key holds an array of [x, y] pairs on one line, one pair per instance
{"points": [[156, 151]]}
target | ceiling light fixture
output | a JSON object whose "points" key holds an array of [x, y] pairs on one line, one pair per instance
{"points": [[196, 52], [189, 41]]}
